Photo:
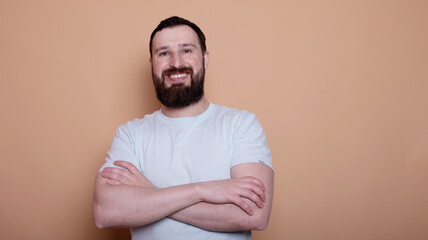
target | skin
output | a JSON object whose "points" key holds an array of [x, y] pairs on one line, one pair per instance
{"points": [[240, 203], [125, 198], [251, 188], [178, 47]]}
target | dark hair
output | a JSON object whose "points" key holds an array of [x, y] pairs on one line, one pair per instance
{"points": [[177, 21]]}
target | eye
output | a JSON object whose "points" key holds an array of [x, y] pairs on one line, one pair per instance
{"points": [[187, 50], [161, 54]]}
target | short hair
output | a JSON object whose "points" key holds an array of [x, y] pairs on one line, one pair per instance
{"points": [[177, 21]]}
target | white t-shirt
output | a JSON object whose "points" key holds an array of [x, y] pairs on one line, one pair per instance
{"points": [[175, 151]]}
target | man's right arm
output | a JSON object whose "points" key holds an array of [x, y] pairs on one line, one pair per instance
{"points": [[130, 206]]}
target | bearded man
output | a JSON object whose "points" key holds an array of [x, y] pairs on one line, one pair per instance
{"points": [[193, 169]]}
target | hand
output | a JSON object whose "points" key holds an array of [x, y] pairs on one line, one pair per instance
{"points": [[234, 191], [130, 176]]}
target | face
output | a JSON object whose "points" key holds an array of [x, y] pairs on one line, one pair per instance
{"points": [[178, 66]]}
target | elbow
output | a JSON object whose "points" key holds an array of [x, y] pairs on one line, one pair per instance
{"points": [[260, 219], [106, 216], [253, 223], [101, 218], [99, 222], [102, 209], [260, 224]]}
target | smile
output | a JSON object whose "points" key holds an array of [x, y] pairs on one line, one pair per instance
{"points": [[178, 75]]}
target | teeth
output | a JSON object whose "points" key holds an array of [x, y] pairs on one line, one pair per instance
{"points": [[178, 75]]}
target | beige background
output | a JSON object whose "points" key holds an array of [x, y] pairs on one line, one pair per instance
{"points": [[339, 86]]}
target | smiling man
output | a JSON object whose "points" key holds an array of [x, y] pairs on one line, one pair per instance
{"points": [[193, 169]]}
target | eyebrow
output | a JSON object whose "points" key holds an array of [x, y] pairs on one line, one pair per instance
{"points": [[187, 45], [180, 45], [160, 49]]}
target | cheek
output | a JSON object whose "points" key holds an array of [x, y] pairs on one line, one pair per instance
{"points": [[195, 63], [158, 67]]}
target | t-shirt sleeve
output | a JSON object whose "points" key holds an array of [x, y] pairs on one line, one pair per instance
{"points": [[250, 143], [122, 147]]}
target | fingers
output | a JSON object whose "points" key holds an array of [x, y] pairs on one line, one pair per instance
{"points": [[243, 192], [254, 181], [128, 166], [254, 190], [113, 178], [254, 194], [253, 197], [116, 174], [123, 176], [257, 191], [260, 193], [126, 173], [244, 206], [113, 182]]}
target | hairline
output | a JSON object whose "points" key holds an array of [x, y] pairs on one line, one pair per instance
{"points": [[182, 45], [182, 22]]}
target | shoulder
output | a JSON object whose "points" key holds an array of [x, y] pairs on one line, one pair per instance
{"points": [[233, 114], [237, 118], [138, 124]]}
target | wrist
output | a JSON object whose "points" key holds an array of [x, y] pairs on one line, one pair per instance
{"points": [[197, 190]]}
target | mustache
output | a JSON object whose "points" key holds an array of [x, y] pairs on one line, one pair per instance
{"points": [[173, 70]]}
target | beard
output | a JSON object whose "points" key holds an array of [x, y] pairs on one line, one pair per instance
{"points": [[179, 95]]}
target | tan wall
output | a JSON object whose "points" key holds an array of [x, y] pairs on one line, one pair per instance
{"points": [[340, 87]]}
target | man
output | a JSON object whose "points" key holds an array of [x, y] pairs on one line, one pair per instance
{"points": [[193, 169]]}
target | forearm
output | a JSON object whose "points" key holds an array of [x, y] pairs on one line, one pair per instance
{"points": [[229, 217], [126, 198], [129, 206], [221, 217]]}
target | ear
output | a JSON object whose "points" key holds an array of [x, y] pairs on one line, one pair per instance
{"points": [[206, 59], [151, 62]]}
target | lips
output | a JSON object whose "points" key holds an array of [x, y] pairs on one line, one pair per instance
{"points": [[177, 75]]}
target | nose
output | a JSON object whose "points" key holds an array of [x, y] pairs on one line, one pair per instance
{"points": [[176, 61]]}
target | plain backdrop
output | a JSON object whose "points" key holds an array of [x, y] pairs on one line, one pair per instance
{"points": [[339, 86]]}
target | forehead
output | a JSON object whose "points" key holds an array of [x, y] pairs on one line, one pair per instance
{"points": [[174, 36]]}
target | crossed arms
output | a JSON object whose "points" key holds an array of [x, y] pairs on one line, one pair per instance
{"points": [[125, 198]]}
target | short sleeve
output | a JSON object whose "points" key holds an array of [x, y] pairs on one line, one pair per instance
{"points": [[250, 143], [122, 147]]}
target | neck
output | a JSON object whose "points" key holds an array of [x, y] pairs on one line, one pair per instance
{"points": [[192, 110]]}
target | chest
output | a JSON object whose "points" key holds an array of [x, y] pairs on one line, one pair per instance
{"points": [[173, 156]]}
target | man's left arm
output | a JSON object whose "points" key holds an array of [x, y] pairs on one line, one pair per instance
{"points": [[229, 217]]}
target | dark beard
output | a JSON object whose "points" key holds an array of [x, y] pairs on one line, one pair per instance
{"points": [[179, 95]]}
